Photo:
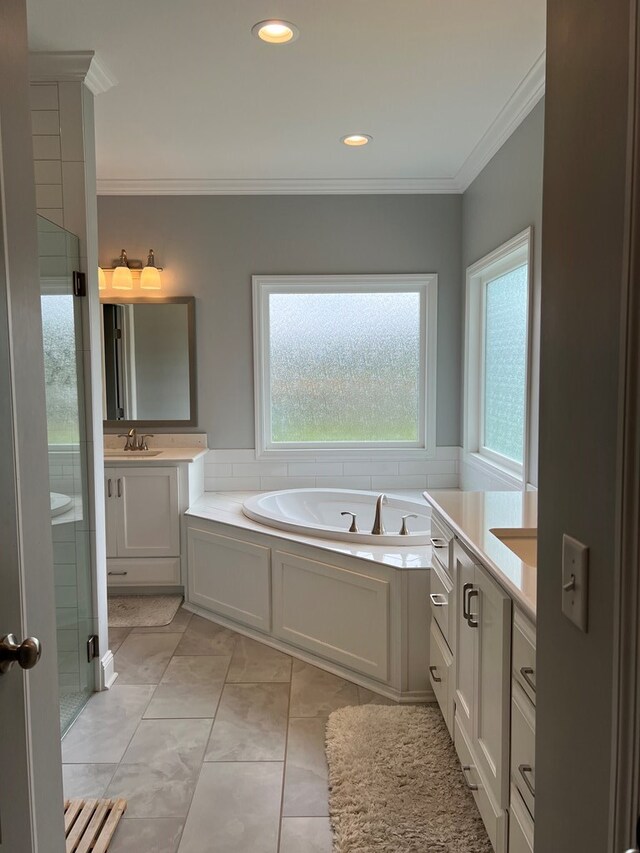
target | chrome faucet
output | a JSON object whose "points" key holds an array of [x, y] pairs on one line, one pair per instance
{"points": [[378, 526], [131, 442]]}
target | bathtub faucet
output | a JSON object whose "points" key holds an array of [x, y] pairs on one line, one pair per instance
{"points": [[378, 526]]}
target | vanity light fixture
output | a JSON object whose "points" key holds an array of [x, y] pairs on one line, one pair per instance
{"points": [[122, 279], [122, 274], [275, 31], [356, 140], [150, 276]]}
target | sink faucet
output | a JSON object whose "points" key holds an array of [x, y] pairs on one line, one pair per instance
{"points": [[378, 526], [131, 436]]}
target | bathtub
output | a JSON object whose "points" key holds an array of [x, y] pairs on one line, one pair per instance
{"points": [[316, 512]]}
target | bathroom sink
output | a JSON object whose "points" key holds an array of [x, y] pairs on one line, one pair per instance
{"points": [[131, 454], [522, 541]]}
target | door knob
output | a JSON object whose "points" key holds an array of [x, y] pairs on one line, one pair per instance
{"points": [[27, 653]]}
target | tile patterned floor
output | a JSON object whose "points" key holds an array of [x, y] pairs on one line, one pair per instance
{"points": [[215, 740]]}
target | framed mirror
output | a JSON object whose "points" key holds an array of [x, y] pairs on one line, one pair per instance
{"points": [[149, 362]]}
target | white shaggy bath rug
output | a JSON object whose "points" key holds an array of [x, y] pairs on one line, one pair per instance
{"points": [[395, 784], [142, 611]]}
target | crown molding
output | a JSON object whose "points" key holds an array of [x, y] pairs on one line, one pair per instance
{"points": [[99, 78], [277, 186], [526, 96], [70, 66]]}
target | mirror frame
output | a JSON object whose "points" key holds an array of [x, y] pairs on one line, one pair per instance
{"points": [[190, 302]]}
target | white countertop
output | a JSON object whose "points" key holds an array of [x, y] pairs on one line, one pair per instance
{"points": [[226, 508], [472, 515], [164, 456]]}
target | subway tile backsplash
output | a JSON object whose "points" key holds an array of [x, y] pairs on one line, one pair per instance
{"points": [[239, 470]]}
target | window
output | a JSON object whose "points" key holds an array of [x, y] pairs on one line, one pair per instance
{"points": [[497, 326], [344, 362]]}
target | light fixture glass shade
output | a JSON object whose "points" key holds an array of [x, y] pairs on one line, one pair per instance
{"points": [[122, 279], [102, 279], [150, 279]]}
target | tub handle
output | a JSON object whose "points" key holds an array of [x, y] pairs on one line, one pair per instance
{"points": [[354, 526], [404, 530]]}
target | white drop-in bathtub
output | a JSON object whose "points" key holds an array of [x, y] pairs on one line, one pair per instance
{"points": [[317, 512]]}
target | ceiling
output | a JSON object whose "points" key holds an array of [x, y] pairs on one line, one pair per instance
{"points": [[200, 104]]}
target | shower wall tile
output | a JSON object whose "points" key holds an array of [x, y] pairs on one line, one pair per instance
{"points": [[43, 96]]}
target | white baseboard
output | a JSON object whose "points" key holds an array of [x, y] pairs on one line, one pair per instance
{"points": [[406, 697], [108, 672]]}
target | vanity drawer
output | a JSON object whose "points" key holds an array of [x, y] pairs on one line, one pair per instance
{"points": [[162, 571], [441, 599], [520, 826], [524, 654], [440, 674], [441, 543], [523, 747]]}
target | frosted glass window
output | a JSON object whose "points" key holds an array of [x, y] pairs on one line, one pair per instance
{"points": [[505, 363], [60, 370], [345, 367]]}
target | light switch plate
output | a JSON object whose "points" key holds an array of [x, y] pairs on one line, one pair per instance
{"points": [[575, 581]]}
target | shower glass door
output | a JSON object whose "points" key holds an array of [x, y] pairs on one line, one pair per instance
{"points": [[65, 395]]}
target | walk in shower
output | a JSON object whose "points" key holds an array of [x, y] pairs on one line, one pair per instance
{"points": [[64, 359]]}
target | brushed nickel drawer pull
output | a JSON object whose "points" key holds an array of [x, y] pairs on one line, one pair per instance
{"points": [[526, 770], [526, 672], [117, 573], [472, 622], [470, 785], [439, 542], [438, 599], [109, 490], [119, 487], [433, 670]]}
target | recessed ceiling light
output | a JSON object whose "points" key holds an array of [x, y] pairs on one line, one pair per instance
{"points": [[355, 140], [275, 31]]}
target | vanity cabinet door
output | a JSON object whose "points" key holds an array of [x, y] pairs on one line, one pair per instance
{"points": [[491, 610], [466, 647], [149, 519]]}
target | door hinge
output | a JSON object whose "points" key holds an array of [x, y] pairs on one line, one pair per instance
{"points": [[79, 283], [93, 647]]}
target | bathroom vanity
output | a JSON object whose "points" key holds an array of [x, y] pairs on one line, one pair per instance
{"points": [[482, 650], [146, 494]]}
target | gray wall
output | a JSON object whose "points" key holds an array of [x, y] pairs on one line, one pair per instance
{"points": [[582, 274], [211, 245], [504, 199]]}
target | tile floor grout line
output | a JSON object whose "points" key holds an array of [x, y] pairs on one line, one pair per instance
{"points": [[284, 761]]}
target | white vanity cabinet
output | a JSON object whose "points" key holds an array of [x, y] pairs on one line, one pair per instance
{"points": [[482, 690], [142, 526]]}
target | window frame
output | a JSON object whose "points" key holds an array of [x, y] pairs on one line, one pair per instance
{"points": [[509, 256], [426, 284]]}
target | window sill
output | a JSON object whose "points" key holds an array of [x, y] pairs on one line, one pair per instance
{"points": [[493, 469], [344, 454]]}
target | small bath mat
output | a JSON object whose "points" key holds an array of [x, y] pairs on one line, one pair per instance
{"points": [[395, 784], [142, 611]]}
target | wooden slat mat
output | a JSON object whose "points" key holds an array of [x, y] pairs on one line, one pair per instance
{"points": [[89, 824]]}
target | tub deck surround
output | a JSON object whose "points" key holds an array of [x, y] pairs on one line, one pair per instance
{"points": [[473, 515], [359, 611], [227, 508]]}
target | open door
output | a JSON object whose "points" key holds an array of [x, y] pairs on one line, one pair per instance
{"points": [[31, 808]]}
